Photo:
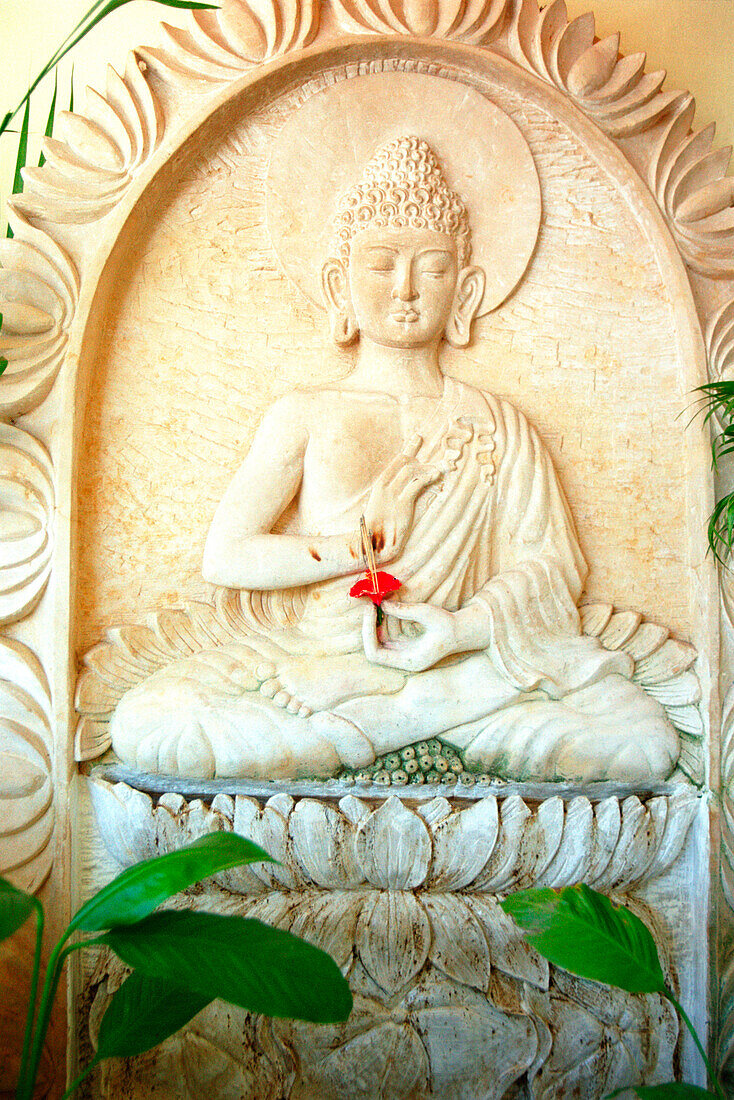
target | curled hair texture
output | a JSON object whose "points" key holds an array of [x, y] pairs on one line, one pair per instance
{"points": [[403, 186]]}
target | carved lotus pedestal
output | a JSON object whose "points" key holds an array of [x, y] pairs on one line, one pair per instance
{"points": [[450, 1001]]}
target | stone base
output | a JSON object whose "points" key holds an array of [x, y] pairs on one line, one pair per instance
{"points": [[450, 1001]]}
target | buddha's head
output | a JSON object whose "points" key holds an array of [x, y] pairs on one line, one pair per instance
{"points": [[401, 273]]}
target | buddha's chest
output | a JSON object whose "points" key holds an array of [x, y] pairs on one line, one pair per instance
{"points": [[351, 443]]}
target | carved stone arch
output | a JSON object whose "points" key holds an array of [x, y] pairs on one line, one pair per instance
{"points": [[79, 215]]}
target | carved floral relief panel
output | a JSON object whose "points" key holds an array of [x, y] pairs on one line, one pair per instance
{"points": [[408, 281]]}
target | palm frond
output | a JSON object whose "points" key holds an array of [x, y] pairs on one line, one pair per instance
{"points": [[721, 528], [50, 120], [98, 11], [20, 160], [3, 361]]}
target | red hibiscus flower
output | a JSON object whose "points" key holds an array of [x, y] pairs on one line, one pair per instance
{"points": [[375, 586]]}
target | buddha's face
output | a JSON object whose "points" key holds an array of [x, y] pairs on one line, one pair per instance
{"points": [[402, 284], [402, 288]]}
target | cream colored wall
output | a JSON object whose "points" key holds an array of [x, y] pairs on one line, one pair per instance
{"points": [[692, 39]]}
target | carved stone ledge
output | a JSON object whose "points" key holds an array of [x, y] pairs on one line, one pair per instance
{"points": [[492, 845]]}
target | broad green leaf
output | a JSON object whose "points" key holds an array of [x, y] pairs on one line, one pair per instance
{"points": [[3, 361], [240, 960], [15, 909], [676, 1090], [20, 160], [51, 114], [580, 930], [143, 1012], [141, 889]]}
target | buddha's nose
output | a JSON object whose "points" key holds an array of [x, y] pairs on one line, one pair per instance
{"points": [[404, 283]]}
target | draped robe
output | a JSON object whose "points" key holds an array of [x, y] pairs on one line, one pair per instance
{"points": [[297, 696]]}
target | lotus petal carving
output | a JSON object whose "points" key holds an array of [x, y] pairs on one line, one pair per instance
{"points": [[624, 843], [688, 177], [39, 287], [425, 945], [614, 91], [26, 511], [93, 157], [217, 46], [26, 782], [475, 21]]}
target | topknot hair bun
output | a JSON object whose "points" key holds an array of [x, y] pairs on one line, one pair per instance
{"points": [[403, 186]]}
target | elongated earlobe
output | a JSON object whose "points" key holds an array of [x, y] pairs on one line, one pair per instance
{"points": [[343, 328], [468, 298], [342, 322]]}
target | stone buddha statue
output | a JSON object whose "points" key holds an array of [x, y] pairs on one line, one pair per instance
{"points": [[482, 646]]}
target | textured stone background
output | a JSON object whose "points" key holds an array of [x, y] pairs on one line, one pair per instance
{"points": [[203, 331]]}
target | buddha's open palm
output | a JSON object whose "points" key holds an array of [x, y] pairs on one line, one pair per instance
{"points": [[391, 504]]}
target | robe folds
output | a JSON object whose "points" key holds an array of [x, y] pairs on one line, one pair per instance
{"points": [[540, 700]]}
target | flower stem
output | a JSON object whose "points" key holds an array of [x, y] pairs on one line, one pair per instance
{"points": [[82, 1076], [33, 995], [54, 970], [713, 1079]]}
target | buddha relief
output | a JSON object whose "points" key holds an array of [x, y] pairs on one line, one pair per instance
{"points": [[482, 646]]}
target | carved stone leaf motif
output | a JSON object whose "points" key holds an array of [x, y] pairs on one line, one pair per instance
{"points": [[323, 844], [26, 781], [465, 957], [615, 1031], [720, 356], [393, 938], [475, 21], [26, 511], [394, 847], [133, 652], [423, 962], [689, 179], [614, 91], [630, 843], [93, 157], [39, 287], [663, 667], [217, 46]]}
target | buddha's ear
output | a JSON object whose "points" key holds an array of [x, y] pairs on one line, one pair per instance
{"points": [[335, 284], [467, 300]]}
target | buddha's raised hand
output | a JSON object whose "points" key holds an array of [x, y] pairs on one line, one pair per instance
{"points": [[389, 510]]}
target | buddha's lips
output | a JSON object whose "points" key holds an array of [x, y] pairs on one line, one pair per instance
{"points": [[365, 586]]}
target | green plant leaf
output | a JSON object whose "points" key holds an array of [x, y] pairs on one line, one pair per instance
{"points": [[15, 908], [141, 889], [721, 528], [98, 11], [676, 1090], [3, 361], [243, 961], [20, 160], [142, 1013], [580, 930], [50, 120]]}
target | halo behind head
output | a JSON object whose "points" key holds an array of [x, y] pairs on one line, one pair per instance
{"points": [[403, 186], [326, 149]]}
